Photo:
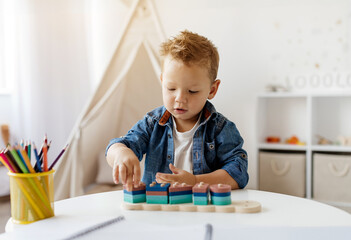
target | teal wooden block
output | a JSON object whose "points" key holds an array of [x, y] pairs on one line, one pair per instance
{"points": [[188, 198], [221, 200], [153, 199], [200, 200], [134, 198]]}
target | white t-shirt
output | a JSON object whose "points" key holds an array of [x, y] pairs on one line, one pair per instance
{"points": [[183, 147]]}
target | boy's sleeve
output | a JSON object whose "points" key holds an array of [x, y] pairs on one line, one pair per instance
{"points": [[137, 138], [232, 157]]}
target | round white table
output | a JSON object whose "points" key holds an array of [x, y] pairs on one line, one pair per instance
{"points": [[278, 210]]}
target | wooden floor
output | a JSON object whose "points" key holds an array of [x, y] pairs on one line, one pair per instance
{"points": [[5, 212]]}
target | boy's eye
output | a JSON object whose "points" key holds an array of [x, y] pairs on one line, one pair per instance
{"points": [[193, 91], [170, 89]]}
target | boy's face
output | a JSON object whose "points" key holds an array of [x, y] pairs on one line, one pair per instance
{"points": [[185, 89]]}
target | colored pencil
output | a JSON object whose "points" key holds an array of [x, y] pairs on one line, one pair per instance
{"points": [[19, 162], [29, 152], [33, 182], [24, 189], [26, 147], [11, 161], [37, 165], [32, 199], [22, 159], [41, 155], [41, 148], [26, 160], [41, 151], [58, 157], [45, 152], [5, 161]]}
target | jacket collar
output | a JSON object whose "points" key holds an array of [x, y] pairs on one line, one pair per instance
{"points": [[208, 110]]}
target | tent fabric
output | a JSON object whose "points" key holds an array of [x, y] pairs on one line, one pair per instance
{"points": [[129, 88]]}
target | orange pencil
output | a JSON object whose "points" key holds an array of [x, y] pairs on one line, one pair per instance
{"points": [[45, 152]]}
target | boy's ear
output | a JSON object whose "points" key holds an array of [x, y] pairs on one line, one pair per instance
{"points": [[214, 89]]}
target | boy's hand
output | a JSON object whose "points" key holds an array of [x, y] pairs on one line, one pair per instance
{"points": [[178, 175], [126, 166]]}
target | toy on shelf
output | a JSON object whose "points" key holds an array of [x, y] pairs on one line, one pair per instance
{"points": [[344, 141], [341, 141], [200, 192], [323, 141], [184, 197], [294, 140], [273, 139], [276, 88]]}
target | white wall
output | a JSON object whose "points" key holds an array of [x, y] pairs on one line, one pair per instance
{"points": [[260, 42]]}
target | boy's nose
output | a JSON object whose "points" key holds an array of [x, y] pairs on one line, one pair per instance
{"points": [[180, 97]]}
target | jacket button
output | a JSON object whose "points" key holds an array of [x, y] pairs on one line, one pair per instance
{"points": [[169, 135], [169, 156], [211, 146]]}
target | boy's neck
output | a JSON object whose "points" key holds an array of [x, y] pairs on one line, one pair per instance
{"points": [[186, 125]]}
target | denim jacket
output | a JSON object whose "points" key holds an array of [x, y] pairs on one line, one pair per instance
{"points": [[217, 144]]}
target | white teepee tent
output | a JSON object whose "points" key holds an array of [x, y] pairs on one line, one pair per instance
{"points": [[129, 88]]}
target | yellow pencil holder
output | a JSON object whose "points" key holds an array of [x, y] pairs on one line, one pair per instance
{"points": [[32, 196]]}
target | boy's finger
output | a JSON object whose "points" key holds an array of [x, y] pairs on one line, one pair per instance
{"points": [[159, 178], [163, 178], [129, 179], [136, 174], [123, 173], [173, 168], [116, 173]]}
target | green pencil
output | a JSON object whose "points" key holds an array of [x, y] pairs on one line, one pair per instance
{"points": [[17, 159], [29, 149]]}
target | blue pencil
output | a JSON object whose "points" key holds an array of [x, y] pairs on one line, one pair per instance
{"points": [[37, 165]]}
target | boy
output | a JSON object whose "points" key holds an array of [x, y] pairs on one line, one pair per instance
{"points": [[185, 140]]}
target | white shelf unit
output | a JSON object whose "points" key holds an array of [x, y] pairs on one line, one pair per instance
{"points": [[305, 115]]}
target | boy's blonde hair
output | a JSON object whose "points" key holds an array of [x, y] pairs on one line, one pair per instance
{"points": [[191, 48]]}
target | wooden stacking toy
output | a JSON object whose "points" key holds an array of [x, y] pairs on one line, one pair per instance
{"points": [[180, 193], [137, 195], [200, 193], [184, 197], [220, 194], [157, 193]]}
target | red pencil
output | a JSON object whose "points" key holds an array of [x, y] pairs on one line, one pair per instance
{"points": [[5, 161], [45, 152]]}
